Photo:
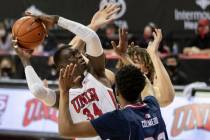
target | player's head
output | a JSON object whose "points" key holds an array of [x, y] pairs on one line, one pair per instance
{"points": [[142, 60], [129, 83], [66, 55]]}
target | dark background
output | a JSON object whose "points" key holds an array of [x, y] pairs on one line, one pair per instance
{"points": [[139, 12]]}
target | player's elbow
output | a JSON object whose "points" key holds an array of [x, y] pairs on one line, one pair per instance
{"points": [[38, 91], [92, 37], [63, 133], [169, 99]]}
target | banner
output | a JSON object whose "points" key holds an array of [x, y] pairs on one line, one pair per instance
{"points": [[185, 119], [20, 111], [188, 119]]}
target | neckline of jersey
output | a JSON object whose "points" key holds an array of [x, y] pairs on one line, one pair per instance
{"points": [[137, 105]]}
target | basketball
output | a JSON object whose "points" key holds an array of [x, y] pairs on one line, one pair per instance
{"points": [[29, 32]]}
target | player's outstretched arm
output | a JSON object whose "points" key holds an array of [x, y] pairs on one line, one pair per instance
{"points": [[65, 124], [35, 84], [164, 91], [94, 48]]}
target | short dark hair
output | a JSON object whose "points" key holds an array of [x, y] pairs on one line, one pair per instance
{"points": [[62, 55], [130, 82]]}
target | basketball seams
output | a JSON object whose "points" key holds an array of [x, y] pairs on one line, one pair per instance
{"points": [[39, 25], [34, 42], [20, 38], [16, 34]]}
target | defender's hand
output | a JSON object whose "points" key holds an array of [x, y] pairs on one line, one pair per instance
{"points": [[154, 45], [67, 78], [104, 16], [121, 48]]}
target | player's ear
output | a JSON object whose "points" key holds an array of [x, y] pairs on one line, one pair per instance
{"points": [[117, 92]]}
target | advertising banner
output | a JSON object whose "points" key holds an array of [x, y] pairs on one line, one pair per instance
{"points": [[188, 119], [19, 110]]}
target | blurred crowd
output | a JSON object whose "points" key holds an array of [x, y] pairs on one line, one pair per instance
{"points": [[170, 49]]}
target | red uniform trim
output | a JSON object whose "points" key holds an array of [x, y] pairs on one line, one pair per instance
{"points": [[113, 98], [137, 105]]}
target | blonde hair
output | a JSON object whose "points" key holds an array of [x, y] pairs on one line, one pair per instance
{"points": [[144, 59]]}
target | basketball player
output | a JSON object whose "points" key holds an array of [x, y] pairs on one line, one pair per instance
{"points": [[92, 95], [137, 119], [98, 20], [149, 62]]}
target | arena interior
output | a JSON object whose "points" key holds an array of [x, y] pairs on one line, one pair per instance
{"points": [[184, 51]]}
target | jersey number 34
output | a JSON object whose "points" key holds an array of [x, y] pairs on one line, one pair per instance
{"points": [[91, 115]]}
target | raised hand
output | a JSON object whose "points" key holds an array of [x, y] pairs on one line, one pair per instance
{"points": [[122, 46], [104, 16], [67, 78], [153, 46], [48, 20]]}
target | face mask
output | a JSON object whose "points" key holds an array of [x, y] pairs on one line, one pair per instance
{"points": [[172, 68], [6, 72], [2, 32]]}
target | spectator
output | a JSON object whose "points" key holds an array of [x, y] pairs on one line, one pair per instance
{"points": [[201, 42], [51, 70], [147, 37], [7, 69], [109, 35], [5, 39], [177, 76]]}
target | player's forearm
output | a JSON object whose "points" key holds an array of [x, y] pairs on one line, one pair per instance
{"points": [[65, 123], [94, 47], [36, 87], [164, 89], [78, 43]]}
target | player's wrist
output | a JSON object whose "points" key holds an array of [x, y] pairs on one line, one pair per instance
{"points": [[56, 18], [64, 95], [25, 62], [93, 27], [63, 91]]}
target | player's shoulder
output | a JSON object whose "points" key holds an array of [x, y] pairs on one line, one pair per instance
{"points": [[113, 117], [151, 101], [99, 81]]}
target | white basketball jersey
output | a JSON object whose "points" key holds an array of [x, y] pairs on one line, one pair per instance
{"points": [[90, 101]]}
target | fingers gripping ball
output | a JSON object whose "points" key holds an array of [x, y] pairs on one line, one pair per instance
{"points": [[29, 32]]}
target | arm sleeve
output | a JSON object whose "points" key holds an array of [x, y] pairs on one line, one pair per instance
{"points": [[110, 126], [36, 87], [93, 43]]}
